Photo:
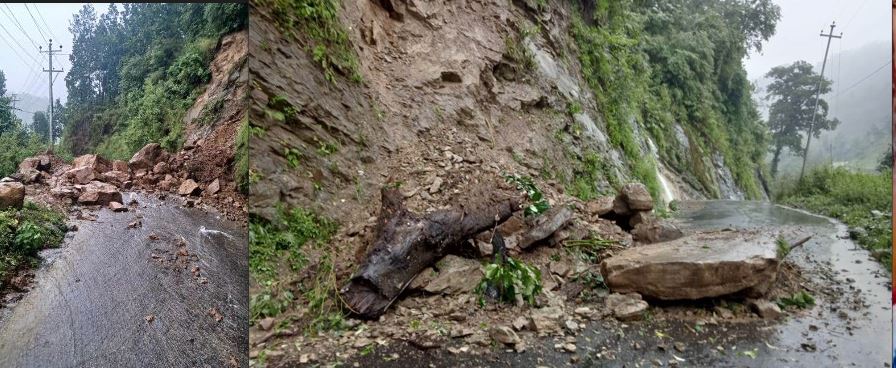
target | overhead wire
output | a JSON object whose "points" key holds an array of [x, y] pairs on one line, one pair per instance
{"points": [[867, 76], [35, 23], [9, 13], [39, 15]]}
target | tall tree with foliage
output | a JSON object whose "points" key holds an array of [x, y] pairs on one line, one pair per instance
{"points": [[40, 125], [792, 90], [136, 69]]}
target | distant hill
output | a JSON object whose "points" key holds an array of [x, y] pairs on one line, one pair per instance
{"points": [[862, 105], [28, 105]]}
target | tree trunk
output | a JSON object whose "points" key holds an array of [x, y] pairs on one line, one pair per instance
{"points": [[408, 243], [775, 160]]}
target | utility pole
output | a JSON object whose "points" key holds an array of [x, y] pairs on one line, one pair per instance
{"points": [[50, 71], [13, 100], [817, 96]]}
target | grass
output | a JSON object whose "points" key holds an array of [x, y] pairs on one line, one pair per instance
{"points": [[316, 24], [241, 158], [286, 246], [849, 197], [801, 300], [24, 232]]}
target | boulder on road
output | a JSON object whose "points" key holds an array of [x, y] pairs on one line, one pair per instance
{"points": [[188, 187], [703, 265], [80, 175], [146, 157], [651, 230], [98, 193], [637, 197], [12, 195], [626, 307], [95, 163]]}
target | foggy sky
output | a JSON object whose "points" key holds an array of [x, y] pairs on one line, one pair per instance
{"points": [[797, 34], [19, 56]]}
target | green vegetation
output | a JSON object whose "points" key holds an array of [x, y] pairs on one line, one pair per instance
{"points": [[861, 200], [16, 142], [296, 241], [653, 64], [522, 57], [783, 248], [241, 158], [801, 300], [538, 204], [511, 279], [23, 233], [315, 24], [136, 71], [789, 115]]}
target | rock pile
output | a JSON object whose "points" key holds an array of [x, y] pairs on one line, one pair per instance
{"points": [[94, 180], [631, 210]]}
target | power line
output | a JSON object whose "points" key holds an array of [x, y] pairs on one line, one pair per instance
{"points": [[35, 22], [18, 44], [867, 76], [854, 15], [39, 15], [16, 21]]}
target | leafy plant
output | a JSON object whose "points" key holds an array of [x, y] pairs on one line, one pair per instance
{"points": [[783, 248], [538, 204], [511, 279], [799, 300]]}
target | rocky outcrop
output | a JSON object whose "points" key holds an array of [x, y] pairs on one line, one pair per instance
{"points": [[703, 265]]}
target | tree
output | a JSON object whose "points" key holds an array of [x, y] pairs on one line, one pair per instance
{"points": [[792, 91], [40, 126], [8, 120], [58, 119]]}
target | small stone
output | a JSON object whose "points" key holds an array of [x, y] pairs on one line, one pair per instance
{"points": [[764, 308], [188, 187], [436, 185], [521, 323], [214, 187], [571, 325], [571, 348], [266, 323], [504, 335], [117, 207]]}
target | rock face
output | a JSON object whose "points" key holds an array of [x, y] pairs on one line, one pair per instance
{"points": [[637, 197], [456, 275], [98, 193], [703, 265], [146, 157], [12, 195]]}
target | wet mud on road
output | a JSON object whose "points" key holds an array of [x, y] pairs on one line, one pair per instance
{"points": [[159, 285], [849, 326]]}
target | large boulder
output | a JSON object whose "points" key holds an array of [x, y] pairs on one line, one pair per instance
{"points": [[188, 187], [80, 175], [39, 163], [703, 265], [146, 157], [652, 230], [12, 195], [98, 193], [600, 206], [637, 197], [95, 163], [116, 177]]}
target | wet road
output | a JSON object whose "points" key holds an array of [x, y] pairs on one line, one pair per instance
{"points": [[848, 327], [170, 293]]}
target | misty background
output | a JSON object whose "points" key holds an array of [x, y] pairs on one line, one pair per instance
{"points": [[859, 64]]}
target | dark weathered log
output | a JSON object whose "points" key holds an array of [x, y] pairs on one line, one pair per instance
{"points": [[407, 243]]}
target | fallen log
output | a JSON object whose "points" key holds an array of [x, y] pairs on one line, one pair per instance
{"points": [[407, 243]]}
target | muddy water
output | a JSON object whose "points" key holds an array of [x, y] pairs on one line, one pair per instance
{"points": [[92, 297], [848, 327]]}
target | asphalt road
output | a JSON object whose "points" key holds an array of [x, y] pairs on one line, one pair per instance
{"points": [[172, 292]]}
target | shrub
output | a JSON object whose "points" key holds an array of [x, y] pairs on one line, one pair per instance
{"points": [[511, 279]]}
